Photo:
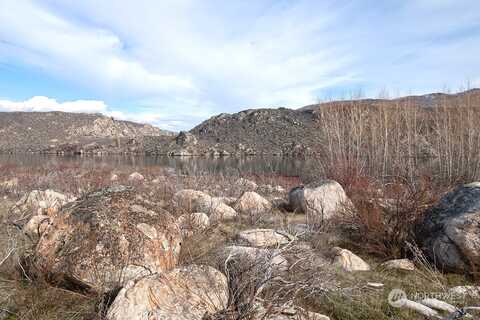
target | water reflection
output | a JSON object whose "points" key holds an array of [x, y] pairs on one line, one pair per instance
{"points": [[184, 165]]}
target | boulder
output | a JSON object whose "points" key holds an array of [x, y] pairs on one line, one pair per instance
{"points": [[108, 237], [321, 200], [449, 234], [38, 202], [136, 177], [252, 203], [193, 223], [398, 264], [264, 238], [114, 178], [186, 293], [348, 261], [198, 201]]}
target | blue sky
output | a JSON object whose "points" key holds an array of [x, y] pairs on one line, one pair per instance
{"points": [[176, 63]]}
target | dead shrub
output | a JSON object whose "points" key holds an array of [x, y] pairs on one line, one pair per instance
{"points": [[383, 219]]}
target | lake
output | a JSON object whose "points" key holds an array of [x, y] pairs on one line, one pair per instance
{"points": [[185, 165]]}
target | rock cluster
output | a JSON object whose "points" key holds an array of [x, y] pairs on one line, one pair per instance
{"points": [[198, 201]]}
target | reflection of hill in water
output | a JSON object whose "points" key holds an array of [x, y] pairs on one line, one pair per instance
{"points": [[183, 165]]}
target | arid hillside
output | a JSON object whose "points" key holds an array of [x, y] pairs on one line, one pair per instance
{"points": [[59, 132], [308, 130]]}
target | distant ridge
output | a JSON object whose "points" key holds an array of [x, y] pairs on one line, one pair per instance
{"points": [[63, 132]]}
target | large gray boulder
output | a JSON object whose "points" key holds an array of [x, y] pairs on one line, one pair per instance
{"points": [[107, 238], [186, 293], [450, 231], [321, 200]]}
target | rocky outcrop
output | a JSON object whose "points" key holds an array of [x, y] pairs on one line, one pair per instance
{"points": [[348, 261], [264, 238], [449, 234], [251, 203], [320, 200], [186, 139], [198, 201], [108, 237], [186, 293]]}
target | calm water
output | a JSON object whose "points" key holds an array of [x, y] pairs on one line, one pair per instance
{"points": [[185, 165]]}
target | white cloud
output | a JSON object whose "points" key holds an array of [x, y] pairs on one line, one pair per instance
{"points": [[42, 104], [85, 54], [177, 62]]}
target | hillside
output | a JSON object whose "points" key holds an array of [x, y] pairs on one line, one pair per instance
{"points": [[61, 132], [303, 131]]}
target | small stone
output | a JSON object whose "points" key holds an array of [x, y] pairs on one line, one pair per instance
{"points": [[398, 264], [348, 261]]}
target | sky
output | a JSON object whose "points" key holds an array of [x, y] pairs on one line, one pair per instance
{"points": [[175, 63]]}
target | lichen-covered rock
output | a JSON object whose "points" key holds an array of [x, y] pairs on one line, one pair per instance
{"points": [[107, 237], [252, 203], [450, 231], [348, 261], [185, 293], [264, 238], [198, 201], [321, 200]]}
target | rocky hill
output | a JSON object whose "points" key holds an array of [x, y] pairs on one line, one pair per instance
{"points": [[61, 132], [279, 131], [294, 132]]}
